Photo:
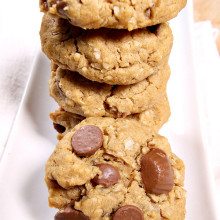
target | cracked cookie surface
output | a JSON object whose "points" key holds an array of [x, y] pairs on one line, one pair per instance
{"points": [[126, 14], [78, 95], [115, 57], [70, 178], [155, 116]]}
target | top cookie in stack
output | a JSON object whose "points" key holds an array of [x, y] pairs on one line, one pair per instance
{"points": [[117, 14]]}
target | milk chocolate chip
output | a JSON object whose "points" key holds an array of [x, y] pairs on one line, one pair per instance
{"points": [[110, 175], [87, 140], [128, 212], [157, 173], [70, 214]]}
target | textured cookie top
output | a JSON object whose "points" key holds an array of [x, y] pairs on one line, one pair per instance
{"points": [[111, 174], [126, 14], [76, 94], [105, 55]]}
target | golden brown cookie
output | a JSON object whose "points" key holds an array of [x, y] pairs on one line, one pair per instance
{"points": [[104, 166], [154, 117], [115, 57], [78, 95], [126, 14]]}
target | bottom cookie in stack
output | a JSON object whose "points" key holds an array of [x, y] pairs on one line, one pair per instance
{"points": [[107, 168]]}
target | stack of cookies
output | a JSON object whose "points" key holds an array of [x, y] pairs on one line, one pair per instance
{"points": [[109, 71]]}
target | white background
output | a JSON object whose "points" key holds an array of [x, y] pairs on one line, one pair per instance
{"points": [[19, 40]]}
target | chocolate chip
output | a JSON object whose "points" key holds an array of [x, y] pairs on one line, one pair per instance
{"points": [[70, 214], [157, 173], [110, 175], [87, 140], [59, 128], [128, 212]]}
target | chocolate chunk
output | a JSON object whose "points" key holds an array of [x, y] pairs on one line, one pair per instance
{"points": [[70, 214], [87, 140], [59, 128], [128, 212], [157, 173], [110, 175]]}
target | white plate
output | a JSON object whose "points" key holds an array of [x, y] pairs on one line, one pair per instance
{"points": [[23, 194]]}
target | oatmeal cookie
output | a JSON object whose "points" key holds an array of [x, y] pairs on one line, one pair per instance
{"points": [[78, 95], [115, 57], [154, 117], [126, 14], [104, 168]]}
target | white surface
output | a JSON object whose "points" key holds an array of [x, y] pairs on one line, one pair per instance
{"points": [[208, 78], [31, 142], [19, 40], [23, 193]]}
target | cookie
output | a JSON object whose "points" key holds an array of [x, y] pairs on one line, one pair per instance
{"points": [[126, 14], [155, 116], [104, 168], [76, 94], [115, 57]]}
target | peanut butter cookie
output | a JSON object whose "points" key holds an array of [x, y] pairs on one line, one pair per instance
{"points": [[115, 57], [107, 168], [153, 118], [76, 94]]}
